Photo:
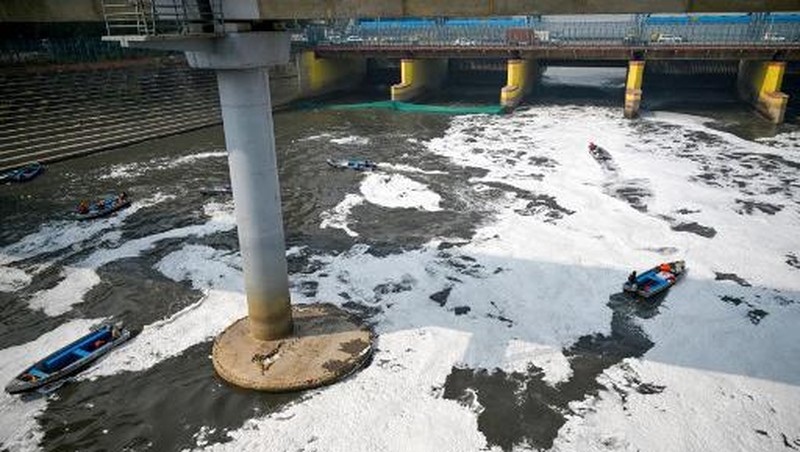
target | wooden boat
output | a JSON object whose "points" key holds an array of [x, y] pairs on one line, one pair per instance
{"points": [[222, 190], [109, 206], [655, 280], [23, 174], [70, 359], [354, 164]]}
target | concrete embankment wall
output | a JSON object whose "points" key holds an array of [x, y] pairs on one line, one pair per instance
{"points": [[50, 113]]}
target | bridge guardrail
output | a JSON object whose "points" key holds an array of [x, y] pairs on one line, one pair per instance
{"points": [[636, 32]]}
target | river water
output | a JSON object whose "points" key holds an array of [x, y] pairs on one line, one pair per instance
{"points": [[486, 251]]}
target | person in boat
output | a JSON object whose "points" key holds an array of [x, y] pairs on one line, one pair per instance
{"points": [[632, 280], [83, 207], [122, 198], [665, 272]]}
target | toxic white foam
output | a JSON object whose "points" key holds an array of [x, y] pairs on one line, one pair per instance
{"points": [[534, 286], [398, 191], [199, 156], [576, 76], [350, 140], [336, 218], [216, 273], [79, 278], [58, 235], [407, 168], [13, 279], [394, 395]]}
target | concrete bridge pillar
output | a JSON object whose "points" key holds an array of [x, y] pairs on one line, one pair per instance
{"points": [[241, 62], [759, 83], [323, 75], [633, 88], [418, 76], [521, 77], [277, 347]]}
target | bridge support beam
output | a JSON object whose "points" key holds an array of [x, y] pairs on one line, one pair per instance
{"points": [[417, 77], [277, 347], [521, 76], [633, 88], [759, 83], [324, 75]]}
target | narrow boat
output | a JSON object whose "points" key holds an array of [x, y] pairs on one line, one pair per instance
{"points": [[101, 208], [655, 280], [223, 190], [355, 164], [23, 174], [69, 360]]}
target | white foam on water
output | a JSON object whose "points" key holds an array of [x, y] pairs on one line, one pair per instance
{"points": [[79, 278], [218, 274], [199, 156], [19, 430], [336, 218], [320, 136], [13, 279], [351, 140], [394, 397], [533, 284], [696, 411], [407, 168], [536, 283], [520, 354], [398, 191], [578, 76], [787, 141], [59, 235]]}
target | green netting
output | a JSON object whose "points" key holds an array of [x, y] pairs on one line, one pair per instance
{"points": [[417, 108]]}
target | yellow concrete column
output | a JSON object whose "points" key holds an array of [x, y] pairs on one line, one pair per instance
{"points": [[418, 76], [633, 88], [760, 84], [323, 75], [520, 79]]}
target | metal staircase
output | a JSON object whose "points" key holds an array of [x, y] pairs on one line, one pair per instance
{"points": [[162, 18]]}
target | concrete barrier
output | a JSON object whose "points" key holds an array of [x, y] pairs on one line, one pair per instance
{"points": [[521, 77], [417, 77], [633, 88], [759, 83]]}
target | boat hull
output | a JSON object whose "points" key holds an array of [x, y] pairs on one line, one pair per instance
{"points": [[34, 377], [22, 174], [358, 165], [652, 282], [104, 212]]}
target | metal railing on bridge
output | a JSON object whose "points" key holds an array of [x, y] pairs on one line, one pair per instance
{"points": [[635, 31], [162, 17]]}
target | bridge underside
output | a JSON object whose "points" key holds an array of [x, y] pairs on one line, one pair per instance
{"points": [[91, 10]]}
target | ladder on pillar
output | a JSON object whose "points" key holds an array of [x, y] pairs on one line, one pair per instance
{"points": [[163, 18]]}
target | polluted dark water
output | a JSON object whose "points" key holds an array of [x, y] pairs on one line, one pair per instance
{"points": [[521, 408], [179, 402]]}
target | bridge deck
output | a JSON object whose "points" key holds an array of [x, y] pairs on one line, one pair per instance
{"points": [[784, 52], [91, 10]]}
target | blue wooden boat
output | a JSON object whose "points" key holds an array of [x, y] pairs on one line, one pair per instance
{"points": [[103, 207], [655, 280], [69, 360], [23, 174], [354, 164]]}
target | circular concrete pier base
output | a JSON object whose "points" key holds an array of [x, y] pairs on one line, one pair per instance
{"points": [[327, 344]]}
